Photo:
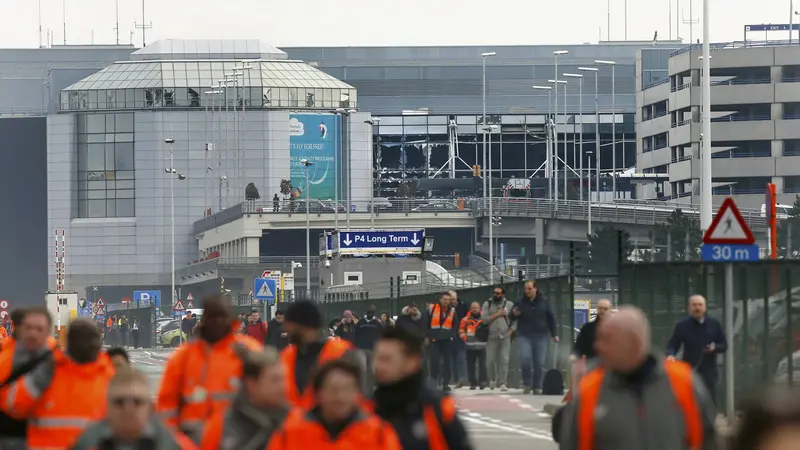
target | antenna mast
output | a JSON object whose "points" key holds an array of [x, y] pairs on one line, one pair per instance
{"points": [[40, 23], [64, 19], [116, 28], [144, 26]]}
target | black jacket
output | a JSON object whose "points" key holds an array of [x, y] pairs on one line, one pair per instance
{"points": [[274, 331], [694, 337], [584, 345], [402, 404], [537, 318], [367, 333], [346, 332]]}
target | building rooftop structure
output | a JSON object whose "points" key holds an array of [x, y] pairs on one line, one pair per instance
{"points": [[178, 74]]}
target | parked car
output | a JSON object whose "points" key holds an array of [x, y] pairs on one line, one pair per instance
{"points": [[171, 335], [381, 204]]}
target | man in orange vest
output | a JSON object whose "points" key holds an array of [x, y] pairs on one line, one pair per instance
{"points": [[302, 324], [203, 376], [442, 321], [635, 398]]}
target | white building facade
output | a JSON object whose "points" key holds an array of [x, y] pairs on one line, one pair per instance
{"points": [[113, 175]]}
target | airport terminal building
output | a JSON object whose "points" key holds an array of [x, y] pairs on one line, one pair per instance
{"points": [[106, 153]]}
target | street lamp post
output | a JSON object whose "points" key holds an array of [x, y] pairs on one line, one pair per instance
{"points": [[240, 151], [596, 132], [705, 181], [555, 88], [580, 131], [483, 121], [308, 164], [548, 140], [372, 122], [209, 148], [613, 65], [556, 54], [172, 173], [487, 129]]}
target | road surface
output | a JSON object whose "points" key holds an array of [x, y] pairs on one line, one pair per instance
{"points": [[507, 421]]}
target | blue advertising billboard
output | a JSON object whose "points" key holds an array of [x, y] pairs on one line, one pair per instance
{"points": [[314, 137]]}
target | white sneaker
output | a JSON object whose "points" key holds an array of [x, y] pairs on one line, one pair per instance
{"points": [[503, 387], [491, 385]]}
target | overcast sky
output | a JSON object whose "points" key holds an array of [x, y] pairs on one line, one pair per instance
{"points": [[375, 23]]}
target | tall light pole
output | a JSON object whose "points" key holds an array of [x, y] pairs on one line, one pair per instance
{"points": [[580, 131], [548, 140], [705, 181], [555, 88], [172, 173], [372, 122], [308, 164], [209, 147], [556, 54], [596, 132], [483, 121], [613, 65], [487, 129], [240, 151]]}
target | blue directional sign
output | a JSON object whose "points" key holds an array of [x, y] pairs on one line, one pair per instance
{"points": [[729, 252], [264, 289], [144, 299], [362, 242], [772, 27]]}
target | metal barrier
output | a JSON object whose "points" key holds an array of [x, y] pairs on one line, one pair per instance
{"points": [[602, 212], [766, 340]]}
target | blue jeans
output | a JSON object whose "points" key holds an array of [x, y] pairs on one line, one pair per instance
{"points": [[458, 361], [532, 352]]}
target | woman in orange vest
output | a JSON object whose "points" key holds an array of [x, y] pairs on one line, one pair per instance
{"points": [[337, 397]]}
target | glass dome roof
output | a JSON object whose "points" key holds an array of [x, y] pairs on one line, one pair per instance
{"points": [[190, 74]]}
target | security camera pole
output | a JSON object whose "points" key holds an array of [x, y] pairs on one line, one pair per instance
{"points": [[307, 164]]}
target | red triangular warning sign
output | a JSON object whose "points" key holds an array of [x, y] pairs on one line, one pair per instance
{"points": [[179, 306], [728, 226], [190, 301]]}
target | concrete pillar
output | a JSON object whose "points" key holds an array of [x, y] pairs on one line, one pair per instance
{"points": [[778, 182], [777, 111], [541, 235], [776, 74], [252, 247], [777, 148]]}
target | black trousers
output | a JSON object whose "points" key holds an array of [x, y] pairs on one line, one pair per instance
{"points": [[710, 383], [476, 367], [440, 350], [135, 335]]}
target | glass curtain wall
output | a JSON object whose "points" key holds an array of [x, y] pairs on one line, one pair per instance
{"points": [[410, 148], [105, 165]]}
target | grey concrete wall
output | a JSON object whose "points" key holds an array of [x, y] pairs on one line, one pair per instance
{"points": [[23, 229], [375, 273]]}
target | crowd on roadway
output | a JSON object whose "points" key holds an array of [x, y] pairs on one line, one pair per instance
{"points": [[118, 330], [362, 383]]}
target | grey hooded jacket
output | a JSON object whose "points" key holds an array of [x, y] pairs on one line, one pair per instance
{"points": [[646, 420], [98, 436]]}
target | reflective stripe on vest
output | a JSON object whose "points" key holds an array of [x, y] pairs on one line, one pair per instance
{"points": [[471, 326], [680, 380], [436, 438], [60, 422], [436, 318]]}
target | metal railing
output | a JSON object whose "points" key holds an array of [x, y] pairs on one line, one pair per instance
{"points": [[737, 118], [320, 208], [656, 83], [681, 87], [729, 45], [739, 81], [603, 212]]}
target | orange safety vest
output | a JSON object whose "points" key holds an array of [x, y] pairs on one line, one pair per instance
{"points": [[468, 327], [332, 349], [680, 379], [436, 317], [302, 430], [436, 439]]}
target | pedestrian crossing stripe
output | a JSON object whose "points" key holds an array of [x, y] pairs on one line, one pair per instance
{"points": [[264, 291]]}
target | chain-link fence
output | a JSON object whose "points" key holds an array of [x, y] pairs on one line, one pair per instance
{"points": [[766, 312]]}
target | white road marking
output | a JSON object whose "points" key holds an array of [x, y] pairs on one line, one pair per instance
{"points": [[479, 419]]}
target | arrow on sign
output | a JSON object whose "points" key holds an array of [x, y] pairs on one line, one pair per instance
{"points": [[414, 239], [347, 240]]}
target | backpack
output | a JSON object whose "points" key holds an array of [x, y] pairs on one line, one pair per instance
{"points": [[553, 383]]}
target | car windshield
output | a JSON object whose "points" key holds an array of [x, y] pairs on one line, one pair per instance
{"points": [[174, 325]]}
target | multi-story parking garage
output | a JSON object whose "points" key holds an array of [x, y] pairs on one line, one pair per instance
{"points": [[755, 98]]}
